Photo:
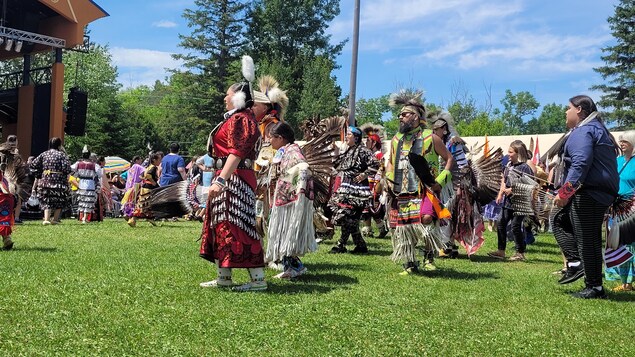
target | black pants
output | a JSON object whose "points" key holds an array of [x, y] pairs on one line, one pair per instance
{"points": [[351, 228], [578, 231], [517, 230]]}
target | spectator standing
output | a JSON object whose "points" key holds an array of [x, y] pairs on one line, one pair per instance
{"points": [[172, 167]]}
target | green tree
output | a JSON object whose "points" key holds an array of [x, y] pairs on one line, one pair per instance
{"points": [[320, 92], [215, 44], [288, 40], [619, 71], [482, 125], [463, 111], [516, 108], [550, 121], [176, 122], [141, 109], [373, 110], [94, 73]]}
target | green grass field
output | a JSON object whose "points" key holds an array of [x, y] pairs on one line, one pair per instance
{"points": [[107, 289]]}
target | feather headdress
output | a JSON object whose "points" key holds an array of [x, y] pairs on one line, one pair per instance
{"points": [[438, 118], [277, 97], [370, 129], [410, 100], [374, 132]]}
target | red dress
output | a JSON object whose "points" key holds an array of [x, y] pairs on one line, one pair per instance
{"points": [[229, 233], [7, 205]]}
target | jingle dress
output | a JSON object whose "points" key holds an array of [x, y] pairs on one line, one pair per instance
{"points": [[229, 235], [52, 169], [89, 184]]}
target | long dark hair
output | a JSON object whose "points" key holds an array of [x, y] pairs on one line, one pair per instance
{"points": [[585, 103], [587, 106], [284, 130], [521, 149]]}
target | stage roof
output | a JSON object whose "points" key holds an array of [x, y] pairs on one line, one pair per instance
{"points": [[60, 19]]}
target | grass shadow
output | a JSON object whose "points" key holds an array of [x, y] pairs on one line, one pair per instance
{"points": [[36, 249], [378, 252], [446, 273], [544, 244], [330, 266], [312, 284], [487, 259], [481, 259], [622, 297]]}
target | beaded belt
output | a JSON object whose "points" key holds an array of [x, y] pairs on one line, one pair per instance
{"points": [[245, 164]]}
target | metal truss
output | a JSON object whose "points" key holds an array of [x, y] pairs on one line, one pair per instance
{"points": [[19, 35]]}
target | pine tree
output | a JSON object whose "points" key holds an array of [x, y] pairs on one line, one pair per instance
{"points": [[216, 43], [619, 71], [320, 92], [287, 39]]}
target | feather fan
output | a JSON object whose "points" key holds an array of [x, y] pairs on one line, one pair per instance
{"points": [[623, 212], [15, 171], [170, 201], [488, 172], [319, 155]]}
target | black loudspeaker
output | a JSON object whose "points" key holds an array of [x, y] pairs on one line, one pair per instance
{"points": [[76, 112], [41, 119]]}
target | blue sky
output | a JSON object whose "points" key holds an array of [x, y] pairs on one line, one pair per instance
{"points": [[448, 48]]}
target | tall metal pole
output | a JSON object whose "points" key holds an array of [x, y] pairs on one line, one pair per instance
{"points": [[351, 96]]}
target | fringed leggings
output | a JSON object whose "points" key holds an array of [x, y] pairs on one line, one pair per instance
{"points": [[351, 228], [578, 231]]}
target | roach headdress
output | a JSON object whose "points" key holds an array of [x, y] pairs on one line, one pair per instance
{"points": [[410, 101], [270, 93]]}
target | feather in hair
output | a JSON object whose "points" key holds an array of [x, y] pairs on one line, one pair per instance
{"points": [[248, 68], [239, 100], [447, 117], [531, 145]]}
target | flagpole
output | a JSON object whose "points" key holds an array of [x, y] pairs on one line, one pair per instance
{"points": [[353, 84]]}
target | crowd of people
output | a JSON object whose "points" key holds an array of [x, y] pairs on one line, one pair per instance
{"points": [[425, 191]]}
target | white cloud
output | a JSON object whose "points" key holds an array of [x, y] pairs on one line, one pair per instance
{"points": [[138, 57], [390, 13], [141, 66], [449, 49], [165, 24], [535, 51], [471, 34]]}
